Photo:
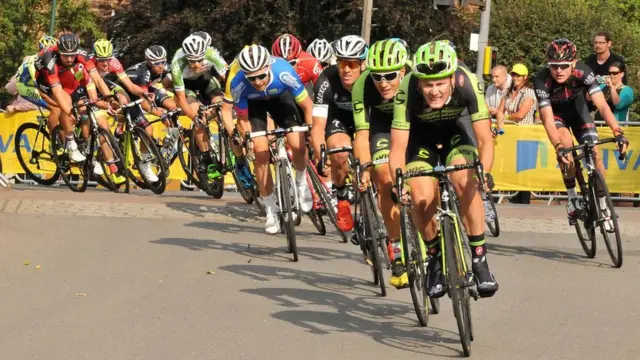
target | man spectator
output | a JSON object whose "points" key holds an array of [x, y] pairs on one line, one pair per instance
{"points": [[17, 103], [501, 83], [603, 57]]}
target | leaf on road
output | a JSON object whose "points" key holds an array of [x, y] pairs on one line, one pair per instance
{"points": [[38, 267], [27, 262], [210, 272], [81, 294]]}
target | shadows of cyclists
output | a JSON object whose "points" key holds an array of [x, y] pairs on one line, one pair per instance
{"points": [[548, 254]]}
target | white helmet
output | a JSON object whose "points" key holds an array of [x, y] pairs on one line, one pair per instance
{"points": [[205, 35], [253, 58], [321, 50], [351, 47], [155, 53], [194, 47]]}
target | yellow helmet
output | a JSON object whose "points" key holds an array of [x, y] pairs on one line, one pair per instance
{"points": [[103, 49], [46, 41]]}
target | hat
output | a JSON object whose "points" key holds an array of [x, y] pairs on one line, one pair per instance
{"points": [[520, 69]]}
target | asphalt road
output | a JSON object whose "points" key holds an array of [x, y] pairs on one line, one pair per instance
{"points": [[113, 276]]}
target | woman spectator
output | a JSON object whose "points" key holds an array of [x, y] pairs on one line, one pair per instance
{"points": [[619, 96], [519, 103]]}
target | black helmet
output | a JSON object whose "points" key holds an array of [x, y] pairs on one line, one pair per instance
{"points": [[561, 50], [68, 44]]}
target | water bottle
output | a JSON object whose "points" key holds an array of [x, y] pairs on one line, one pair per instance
{"points": [[168, 144]]}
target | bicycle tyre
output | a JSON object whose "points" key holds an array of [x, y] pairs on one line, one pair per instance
{"points": [[105, 180], [187, 163], [326, 200], [41, 131], [372, 242], [317, 222], [494, 227], [286, 210], [157, 187], [418, 296], [584, 228], [213, 188], [457, 283], [126, 148], [616, 255], [83, 167]]}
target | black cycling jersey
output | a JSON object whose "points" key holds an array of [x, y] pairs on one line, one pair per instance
{"points": [[333, 102]]}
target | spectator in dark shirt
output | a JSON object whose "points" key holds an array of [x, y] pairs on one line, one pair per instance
{"points": [[601, 61]]}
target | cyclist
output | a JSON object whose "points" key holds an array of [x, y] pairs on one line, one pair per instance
{"points": [[64, 80], [562, 90], [440, 104], [321, 50], [196, 73], [373, 100], [333, 117], [25, 82], [307, 67], [267, 84]]}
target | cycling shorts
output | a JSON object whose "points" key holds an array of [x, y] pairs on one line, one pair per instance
{"points": [[379, 142], [336, 126], [423, 152], [577, 119], [282, 109], [206, 86]]}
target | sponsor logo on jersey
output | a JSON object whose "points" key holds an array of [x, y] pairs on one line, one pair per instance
{"points": [[541, 94], [320, 94], [590, 79], [272, 91], [236, 92], [401, 97], [290, 80], [358, 106]]}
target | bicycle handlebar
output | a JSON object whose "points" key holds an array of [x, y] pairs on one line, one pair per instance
{"points": [[324, 153], [589, 146], [280, 132]]}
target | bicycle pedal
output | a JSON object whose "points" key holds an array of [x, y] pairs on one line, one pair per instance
{"points": [[474, 294], [355, 240]]}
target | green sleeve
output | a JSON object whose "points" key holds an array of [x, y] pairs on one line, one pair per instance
{"points": [[177, 67], [214, 57], [360, 117], [474, 93], [400, 121]]}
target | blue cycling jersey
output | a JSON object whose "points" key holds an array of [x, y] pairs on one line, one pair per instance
{"points": [[282, 78]]}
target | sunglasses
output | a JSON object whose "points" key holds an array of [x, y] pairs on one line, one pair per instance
{"points": [[431, 69], [103, 60], [388, 77], [193, 62], [351, 64], [158, 63], [614, 72], [559, 66], [258, 77]]}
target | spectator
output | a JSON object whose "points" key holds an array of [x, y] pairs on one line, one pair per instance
{"points": [[519, 102], [501, 82], [603, 57], [17, 103], [619, 96]]}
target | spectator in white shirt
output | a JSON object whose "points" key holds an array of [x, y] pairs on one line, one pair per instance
{"points": [[501, 83]]}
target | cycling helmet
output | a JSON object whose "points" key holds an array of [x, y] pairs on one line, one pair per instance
{"points": [[103, 49], [194, 47], [561, 50], [155, 53], [68, 44], [351, 47], [46, 41], [321, 50], [254, 58], [386, 55], [404, 43], [286, 46], [205, 35], [435, 60]]}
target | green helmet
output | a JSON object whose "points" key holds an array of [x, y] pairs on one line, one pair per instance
{"points": [[386, 55], [435, 60], [103, 49]]}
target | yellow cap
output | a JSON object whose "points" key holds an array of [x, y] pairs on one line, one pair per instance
{"points": [[520, 69]]}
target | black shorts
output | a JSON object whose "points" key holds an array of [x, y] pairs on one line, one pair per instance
{"points": [[423, 152], [379, 142], [77, 95], [578, 120], [283, 110], [203, 88], [335, 126]]}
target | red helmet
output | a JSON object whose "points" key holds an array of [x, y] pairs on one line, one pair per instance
{"points": [[561, 50], [286, 46]]}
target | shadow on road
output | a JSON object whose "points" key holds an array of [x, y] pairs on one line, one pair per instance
{"points": [[237, 211], [362, 314], [549, 254]]}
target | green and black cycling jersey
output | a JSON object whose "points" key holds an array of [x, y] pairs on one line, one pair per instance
{"points": [[371, 112], [450, 126]]}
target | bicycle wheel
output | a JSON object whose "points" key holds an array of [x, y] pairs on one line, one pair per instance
{"points": [[75, 175], [494, 227], [287, 210], [156, 162], [325, 199], [247, 194], [213, 187], [457, 283], [117, 160], [317, 221], [583, 225], [598, 185], [187, 161], [371, 238], [416, 267], [39, 158]]}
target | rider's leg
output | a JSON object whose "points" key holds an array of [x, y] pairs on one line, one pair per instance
{"points": [[568, 172], [337, 135]]}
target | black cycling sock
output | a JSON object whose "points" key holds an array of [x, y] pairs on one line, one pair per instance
{"points": [[342, 192], [569, 182], [433, 246], [478, 248], [240, 160]]}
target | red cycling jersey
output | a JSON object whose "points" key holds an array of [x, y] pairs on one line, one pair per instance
{"points": [[308, 67], [112, 67], [51, 73]]}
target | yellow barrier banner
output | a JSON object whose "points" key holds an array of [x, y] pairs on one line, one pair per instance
{"points": [[526, 160], [9, 124]]}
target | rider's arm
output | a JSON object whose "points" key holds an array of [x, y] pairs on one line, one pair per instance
{"points": [[480, 118], [178, 85], [97, 79], [399, 130], [323, 98], [219, 64], [129, 85], [546, 111], [227, 105], [361, 120], [595, 92]]}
